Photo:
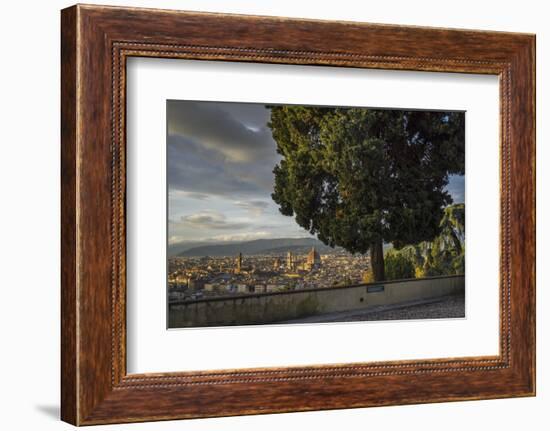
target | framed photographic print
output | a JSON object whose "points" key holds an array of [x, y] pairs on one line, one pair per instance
{"points": [[266, 215], [260, 228]]}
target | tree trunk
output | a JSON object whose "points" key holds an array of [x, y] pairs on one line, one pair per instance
{"points": [[377, 261]]}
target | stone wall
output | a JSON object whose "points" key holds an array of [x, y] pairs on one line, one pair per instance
{"points": [[281, 306]]}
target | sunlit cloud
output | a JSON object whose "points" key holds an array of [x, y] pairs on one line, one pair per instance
{"points": [[212, 220], [255, 207]]}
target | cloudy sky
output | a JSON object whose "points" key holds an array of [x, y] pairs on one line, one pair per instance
{"points": [[220, 162]]}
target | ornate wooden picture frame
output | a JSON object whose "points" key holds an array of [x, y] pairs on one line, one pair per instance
{"points": [[96, 41]]}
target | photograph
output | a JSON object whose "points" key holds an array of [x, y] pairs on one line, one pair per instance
{"points": [[288, 214]]}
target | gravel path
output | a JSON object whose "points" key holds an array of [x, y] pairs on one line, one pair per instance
{"points": [[447, 307]]}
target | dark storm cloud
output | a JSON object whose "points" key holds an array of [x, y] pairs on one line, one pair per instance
{"points": [[238, 131], [193, 168], [193, 195], [253, 115], [220, 148]]}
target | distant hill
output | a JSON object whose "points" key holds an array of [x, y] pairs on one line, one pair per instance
{"points": [[180, 247], [301, 249], [258, 246]]}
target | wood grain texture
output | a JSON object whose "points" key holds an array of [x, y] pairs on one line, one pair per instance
{"points": [[96, 41], [69, 397]]}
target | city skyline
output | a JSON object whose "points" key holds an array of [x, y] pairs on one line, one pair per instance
{"points": [[220, 161]]}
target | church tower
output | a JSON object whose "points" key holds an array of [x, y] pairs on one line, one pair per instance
{"points": [[289, 261], [239, 267], [313, 259]]}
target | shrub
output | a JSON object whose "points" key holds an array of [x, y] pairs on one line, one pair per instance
{"points": [[398, 266]]}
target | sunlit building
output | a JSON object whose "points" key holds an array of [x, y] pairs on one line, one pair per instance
{"points": [[289, 261], [313, 260]]}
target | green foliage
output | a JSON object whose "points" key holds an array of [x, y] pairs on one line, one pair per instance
{"points": [[398, 266], [358, 177], [445, 254]]}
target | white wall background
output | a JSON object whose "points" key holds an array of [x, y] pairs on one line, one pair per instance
{"points": [[29, 216]]}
